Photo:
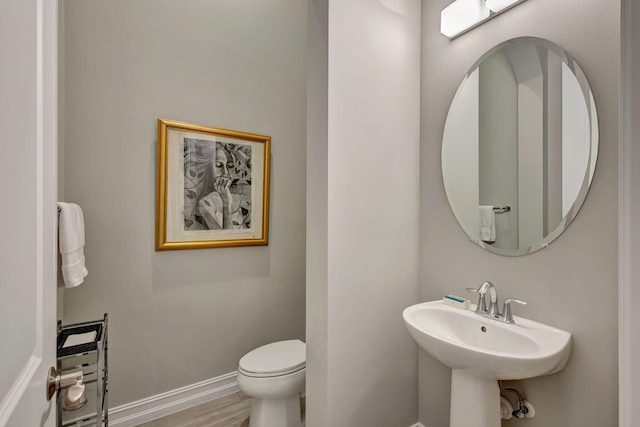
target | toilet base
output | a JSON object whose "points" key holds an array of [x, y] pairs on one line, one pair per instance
{"points": [[285, 412]]}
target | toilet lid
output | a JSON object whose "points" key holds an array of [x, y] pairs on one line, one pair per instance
{"points": [[278, 358]]}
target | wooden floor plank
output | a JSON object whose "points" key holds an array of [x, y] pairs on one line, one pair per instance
{"points": [[228, 411]]}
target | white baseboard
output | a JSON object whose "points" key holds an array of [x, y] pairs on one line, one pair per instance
{"points": [[141, 411]]}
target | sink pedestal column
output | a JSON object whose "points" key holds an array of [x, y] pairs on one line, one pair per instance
{"points": [[474, 401]]}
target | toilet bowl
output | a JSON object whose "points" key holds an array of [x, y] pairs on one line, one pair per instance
{"points": [[274, 376]]}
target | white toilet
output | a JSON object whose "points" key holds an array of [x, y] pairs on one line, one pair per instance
{"points": [[274, 375]]}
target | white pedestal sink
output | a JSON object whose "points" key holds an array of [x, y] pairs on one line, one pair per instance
{"points": [[481, 351]]}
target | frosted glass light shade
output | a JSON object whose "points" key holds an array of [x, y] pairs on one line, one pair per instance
{"points": [[462, 15], [498, 5]]}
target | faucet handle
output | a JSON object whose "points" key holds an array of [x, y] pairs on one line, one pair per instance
{"points": [[481, 306], [507, 315]]}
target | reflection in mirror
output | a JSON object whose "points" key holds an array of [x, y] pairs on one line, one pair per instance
{"points": [[519, 146]]}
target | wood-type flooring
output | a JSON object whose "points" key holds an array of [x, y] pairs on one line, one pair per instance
{"points": [[232, 410]]}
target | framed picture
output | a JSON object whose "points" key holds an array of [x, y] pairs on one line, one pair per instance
{"points": [[212, 187]]}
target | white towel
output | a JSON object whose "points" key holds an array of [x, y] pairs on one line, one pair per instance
{"points": [[71, 243], [487, 224]]}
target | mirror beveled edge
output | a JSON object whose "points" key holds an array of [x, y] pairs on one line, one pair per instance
{"points": [[593, 145]]}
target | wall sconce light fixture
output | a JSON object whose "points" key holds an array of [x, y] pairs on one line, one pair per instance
{"points": [[464, 15]]}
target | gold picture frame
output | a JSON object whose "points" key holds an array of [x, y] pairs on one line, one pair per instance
{"points": [[212, 187]]}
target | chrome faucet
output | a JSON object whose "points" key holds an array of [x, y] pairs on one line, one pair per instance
{"points": [[493, 311], [481, 308]]}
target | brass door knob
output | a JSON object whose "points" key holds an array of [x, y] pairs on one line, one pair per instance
{"points": [[57, 381]]}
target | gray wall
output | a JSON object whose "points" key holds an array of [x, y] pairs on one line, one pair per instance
{"points": [[317, 226], [629, 235], [571, 285], [498, 152], [180, 317]]}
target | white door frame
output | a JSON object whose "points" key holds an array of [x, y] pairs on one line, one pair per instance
{"points": [[629, 216]]}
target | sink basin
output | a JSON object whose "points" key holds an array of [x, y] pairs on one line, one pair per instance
{"points": [[486, 348], [481, 351]]}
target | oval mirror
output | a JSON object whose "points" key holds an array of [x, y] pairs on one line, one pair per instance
{"points": [[519, 146]]}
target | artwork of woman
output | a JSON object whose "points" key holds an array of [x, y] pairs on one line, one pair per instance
{"points": [[217, 185]]}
